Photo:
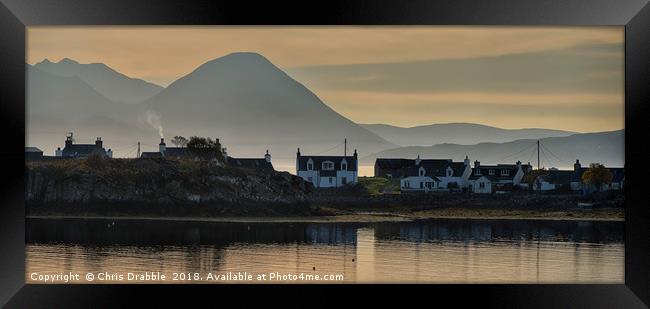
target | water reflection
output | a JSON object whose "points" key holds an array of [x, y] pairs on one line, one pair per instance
{"points": [[458, 251]]}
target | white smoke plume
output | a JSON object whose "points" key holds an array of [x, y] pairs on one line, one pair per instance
{"points": [[154, 120]]}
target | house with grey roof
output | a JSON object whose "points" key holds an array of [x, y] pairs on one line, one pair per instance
{"points": [[428, 174], [502, 176], [553, 180], [33, 154], [251, 163], [327, 171], [73, 150], [618, 178]]}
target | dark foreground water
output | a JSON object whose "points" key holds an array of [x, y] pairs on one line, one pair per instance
{"points": [[436, 251]]}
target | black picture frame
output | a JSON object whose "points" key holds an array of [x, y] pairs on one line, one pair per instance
{"points": [[15, 15]]}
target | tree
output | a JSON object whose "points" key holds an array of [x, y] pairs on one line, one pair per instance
{"points": [[597, 175], [179, 141], [205, 148]]}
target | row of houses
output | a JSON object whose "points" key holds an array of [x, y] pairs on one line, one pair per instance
{"points": [[445, 175], [72, 150], [415, 175]]}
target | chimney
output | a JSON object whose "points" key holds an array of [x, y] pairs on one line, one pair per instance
{"points": [[466, 161], [477, 164], [576, 166], [98, 142], [162, 147], [109, 153], [68, 140], [298, 153], [267, 156], [417, 160], [58, 152]]}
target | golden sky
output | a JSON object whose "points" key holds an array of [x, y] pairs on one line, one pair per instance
{"points": [[553, 77]]}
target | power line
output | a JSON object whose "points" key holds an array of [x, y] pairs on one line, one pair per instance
{"points": [[556, 157], [516, 153]]}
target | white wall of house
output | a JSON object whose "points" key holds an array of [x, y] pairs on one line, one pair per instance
{"points": [[519, 175], [481, 185], [342, 177], [419, 183], [310, 176], [349, 176], [542, 185]]}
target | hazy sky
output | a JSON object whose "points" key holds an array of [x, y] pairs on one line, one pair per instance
{"points": [[552, 77]]}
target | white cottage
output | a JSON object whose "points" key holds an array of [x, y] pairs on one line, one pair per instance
{"points": [[435, 175], [327, 171], [480, 184]]}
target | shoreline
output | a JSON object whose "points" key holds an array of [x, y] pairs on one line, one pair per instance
{"points": [[361, 217]]}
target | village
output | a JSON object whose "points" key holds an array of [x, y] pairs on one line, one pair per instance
{"points": [[417, 175]]}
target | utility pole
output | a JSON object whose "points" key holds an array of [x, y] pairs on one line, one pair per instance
{"points": [[138, 150], [345, 147], [538, 167]]}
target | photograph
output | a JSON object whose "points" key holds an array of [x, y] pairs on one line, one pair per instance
{"points": [[268, 154]]}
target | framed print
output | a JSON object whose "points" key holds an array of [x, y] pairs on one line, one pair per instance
{"points": [[448, 148]]}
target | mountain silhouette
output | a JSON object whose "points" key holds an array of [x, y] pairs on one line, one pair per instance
{"points": [[111, 84], [457, 133], [603, 147], [253, 105]]}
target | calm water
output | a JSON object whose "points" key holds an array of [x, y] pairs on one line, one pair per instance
{"points": [[437, 251]]}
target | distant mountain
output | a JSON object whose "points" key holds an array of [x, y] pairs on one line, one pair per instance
{"points": [[57, 105], [114, 85], [64, 99], [253, 105], [456, 133], [604, 147]]}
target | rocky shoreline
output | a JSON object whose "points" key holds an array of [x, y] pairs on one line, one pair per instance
{"points": [[168, 188]]}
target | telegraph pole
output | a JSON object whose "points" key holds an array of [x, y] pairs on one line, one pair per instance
{"points": [[538, 167], [345, 147]]}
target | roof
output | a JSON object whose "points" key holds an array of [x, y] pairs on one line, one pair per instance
{"points": [[393, 164], [477, 177], [511, 168], [558, 177], [253, 163], [33, 149], [82, 149], [153, 154], [175, 151], [318, 160], [432, 167]]}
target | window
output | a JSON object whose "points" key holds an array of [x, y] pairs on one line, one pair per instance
{"points": [[327, 165], [477, 171], [407, 184], [310, 166], [330, 179], [344, 166], [421, 185], [450, 172], [505, 172], [491, 172], [344, 180], [481, 185], [422, 172]]}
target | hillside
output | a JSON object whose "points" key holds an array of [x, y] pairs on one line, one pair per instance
{"points": [[113, 85], [457, 133], [603, 147]]}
